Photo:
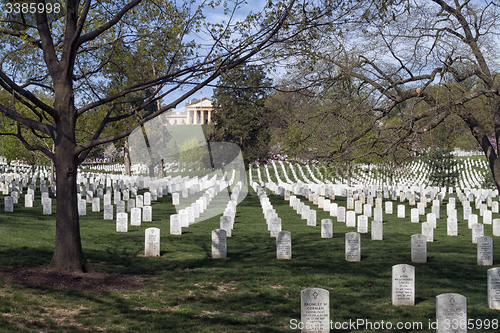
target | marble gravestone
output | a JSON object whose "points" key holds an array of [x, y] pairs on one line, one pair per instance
{"points": [[152, 242], [418, 248], [96, 204], [315, 310], [451, 309], [284, 245], [8, 204], [428, 231], [451, 226], [363, 224], [135, 217], [121, 222], [403, 285], [377, 231], [108, 212], [311, 218], [496, 227], [326, 228], [477, 231], [401, 211], [219, 244], [352, 247], [340, 214], [147, 213], [47, 206], [175, 225], [350, 219], [494, 288], [485, 251], [225, 223]]}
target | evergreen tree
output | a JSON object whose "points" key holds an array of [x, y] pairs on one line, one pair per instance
{"points": [[240, 114], [442, 167]]}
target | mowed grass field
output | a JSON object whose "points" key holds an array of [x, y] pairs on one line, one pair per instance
{"points": [[250, 291]]}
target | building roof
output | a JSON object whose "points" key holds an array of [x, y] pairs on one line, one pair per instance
{"points": [[205, 102]]}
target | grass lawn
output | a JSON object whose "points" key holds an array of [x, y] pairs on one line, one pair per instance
{"points": [[250, 291]]}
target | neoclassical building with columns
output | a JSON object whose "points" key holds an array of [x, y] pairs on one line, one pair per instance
{"points": [[197, 112]]}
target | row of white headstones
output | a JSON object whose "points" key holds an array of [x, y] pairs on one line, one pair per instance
{"points": [[403, 290], [451, 308], [414, 174], [128, 187]]}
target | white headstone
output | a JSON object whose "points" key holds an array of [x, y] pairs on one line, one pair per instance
{"points": [[451, 313], [352, 246], [311, 218], [315, 310], [363, 224], [122, 222], [326, 228], [377, 230], [47, 206], [496, 227], [340, 214], [108, 212], [388, 207], [8, 204], [415, 217], [96, 204], [403, 285], [135, 216], [226, 224], [401, 211], [219, 244], [147, 213], [452, 226], [175, 225], [484, 251], [428, 231], [477, 231], [494, 287], [284, 245], [418, 248], [350, 219], [152, 242]]}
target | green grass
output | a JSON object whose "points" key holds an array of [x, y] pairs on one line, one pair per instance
{"points": [[250, 291]]}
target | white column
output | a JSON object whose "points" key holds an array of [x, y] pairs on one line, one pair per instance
{"points": [[195, 117], [202, 116]]}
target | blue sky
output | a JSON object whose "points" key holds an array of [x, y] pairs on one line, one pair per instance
{"points": [[213, 16]]}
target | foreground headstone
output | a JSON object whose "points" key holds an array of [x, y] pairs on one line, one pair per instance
{"points": [[8, 204], [452, 226], [47, 206], [494, 288], [352, 246], [219, 244], [122, 222], [377, 230], [135, 217], [284, 245], [152, 242], [485, 251], [108, 212], [326, 228], [363, 224], [225, 223], [340, 214], [477, 231], [428, 231], [496, 227], [451, 313], [403, 285], [418, 248], [315, 310], [147, 213], [350, 219], [175, 225]]}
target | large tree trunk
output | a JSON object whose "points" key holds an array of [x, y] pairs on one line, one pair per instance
{"points": [[68, 253]]}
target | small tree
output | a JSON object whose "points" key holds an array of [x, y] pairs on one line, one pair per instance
{"points": [[442, 166]]}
